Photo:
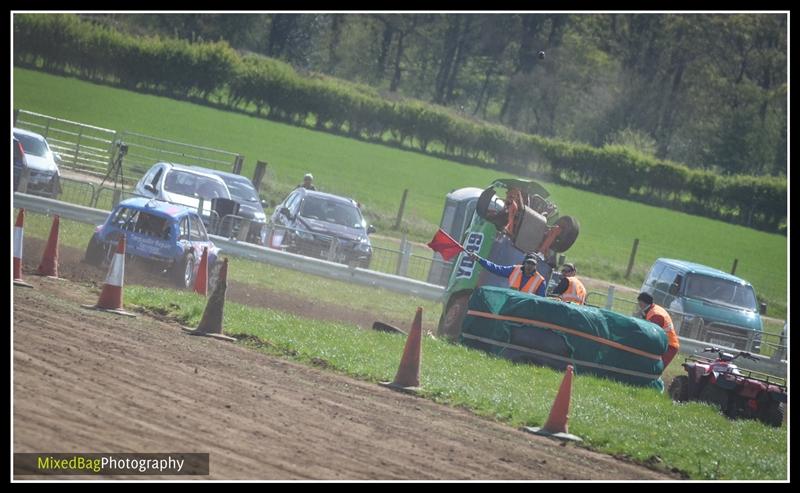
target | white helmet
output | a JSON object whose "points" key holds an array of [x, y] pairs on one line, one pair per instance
{"points": [[309, 176]]}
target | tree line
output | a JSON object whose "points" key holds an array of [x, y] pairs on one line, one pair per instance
{"points": [[626, 164]]}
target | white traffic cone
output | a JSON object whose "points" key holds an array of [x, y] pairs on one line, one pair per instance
{"points": [[18, 226], [111, 296]]}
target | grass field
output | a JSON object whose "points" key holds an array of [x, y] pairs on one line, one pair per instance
{"points": [[377, 175], [637, 422]]}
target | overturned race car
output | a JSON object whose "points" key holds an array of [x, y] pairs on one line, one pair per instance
{"points": [[167, 238]]}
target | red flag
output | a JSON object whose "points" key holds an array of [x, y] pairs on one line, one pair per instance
{"points": [[445, 245]]}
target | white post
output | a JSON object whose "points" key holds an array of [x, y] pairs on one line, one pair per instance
{"points": [[406, 259], [610, 299]]}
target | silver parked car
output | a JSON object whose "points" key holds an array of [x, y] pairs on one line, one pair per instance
{"points": [[44, 177], [183, 185]]}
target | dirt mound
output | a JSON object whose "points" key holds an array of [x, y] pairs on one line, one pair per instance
{"points": [[94, 382]]}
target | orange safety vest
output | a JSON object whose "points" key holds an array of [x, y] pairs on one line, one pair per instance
{"points": [[575, 292], [531, 286], [672, 337]]}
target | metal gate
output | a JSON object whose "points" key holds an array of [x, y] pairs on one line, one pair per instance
{"points": [[91, 150]]}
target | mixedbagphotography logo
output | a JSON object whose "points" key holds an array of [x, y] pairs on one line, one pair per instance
{"points": [[101, 464]]}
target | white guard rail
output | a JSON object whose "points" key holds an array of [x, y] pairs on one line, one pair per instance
{"points": [[257, 253]]}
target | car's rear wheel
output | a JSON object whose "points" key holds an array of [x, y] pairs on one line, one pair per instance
{"points": [[183, 271]]}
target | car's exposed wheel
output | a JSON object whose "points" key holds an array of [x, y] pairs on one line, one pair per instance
{"points": [[95, 252], [450, 326], [183, 271], [679, 389], [482, 208], [569, 233]]}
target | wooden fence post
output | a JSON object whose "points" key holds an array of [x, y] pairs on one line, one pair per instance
{"points": [[400, 211], [633, 257]]}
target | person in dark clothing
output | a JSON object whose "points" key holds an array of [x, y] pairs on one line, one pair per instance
{"points": [[307, 182], [520, 277]]}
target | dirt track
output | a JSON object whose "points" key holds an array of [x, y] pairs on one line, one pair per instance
{"points": [[91, 382], [72, 268]]}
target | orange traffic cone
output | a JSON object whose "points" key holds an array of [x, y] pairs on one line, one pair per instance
{"points": [[556, 425], [407, 378], [201, 281], [49, 264], [18, 226], [111, 295], [211, 323]]}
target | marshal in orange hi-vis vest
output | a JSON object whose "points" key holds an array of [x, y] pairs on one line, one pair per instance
{"points": [[575, 293], [531, 286], [660, 317]]}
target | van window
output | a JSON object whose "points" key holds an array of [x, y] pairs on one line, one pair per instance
{"points": [[653, 276], [666, 278], [721, 292]]}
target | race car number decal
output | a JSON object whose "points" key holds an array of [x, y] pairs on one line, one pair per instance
{"points": [[467, 265]]}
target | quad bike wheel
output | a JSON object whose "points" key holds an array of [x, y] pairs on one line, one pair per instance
{"points": [[772, 414], [679, 389]]}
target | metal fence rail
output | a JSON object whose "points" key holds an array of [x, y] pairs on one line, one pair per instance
{"points": [[271, 256], [145, 150], [77, 192]]}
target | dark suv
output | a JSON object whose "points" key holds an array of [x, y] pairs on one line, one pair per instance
{"points": [[321, 225]]}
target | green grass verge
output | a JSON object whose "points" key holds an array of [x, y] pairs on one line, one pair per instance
{"points": [[611, 417], [376, 176], [381, 302]]}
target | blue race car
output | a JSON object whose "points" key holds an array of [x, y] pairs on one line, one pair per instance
{"points": [[166, 236]]}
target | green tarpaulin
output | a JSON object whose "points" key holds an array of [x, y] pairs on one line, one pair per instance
{"points": [[527, 328]]}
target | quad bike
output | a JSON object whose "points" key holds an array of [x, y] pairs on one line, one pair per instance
{"points": [[739, 393]]}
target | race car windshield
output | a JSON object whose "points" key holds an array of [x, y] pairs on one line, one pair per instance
{"points": [[721, 292], [332, 212]]}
